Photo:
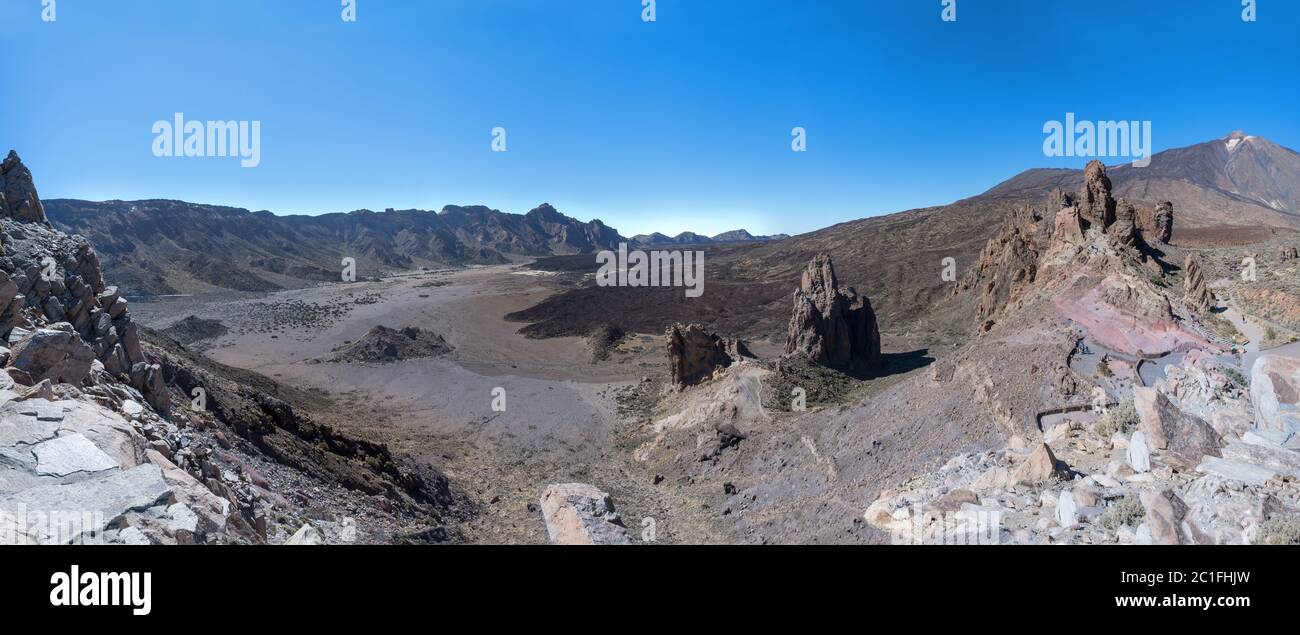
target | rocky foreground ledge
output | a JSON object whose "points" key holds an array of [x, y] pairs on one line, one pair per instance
{"points": [[107, 438]]}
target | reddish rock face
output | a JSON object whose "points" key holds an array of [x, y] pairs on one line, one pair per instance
{"points": [[832, 326], [1039, 468], [1129, 319], [1069, 226]]}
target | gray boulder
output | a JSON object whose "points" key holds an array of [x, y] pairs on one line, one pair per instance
{"points": [[100, 502], [581, 514], [56, 353]]}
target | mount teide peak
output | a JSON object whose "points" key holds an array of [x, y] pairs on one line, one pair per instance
{"points": [[1237, 180]]}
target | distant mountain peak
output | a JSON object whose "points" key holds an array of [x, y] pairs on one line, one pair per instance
{"points": [[1236, 138], [692, 238]]}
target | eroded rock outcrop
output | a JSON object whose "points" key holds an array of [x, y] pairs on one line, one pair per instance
{"points": [[56, 353], [18, 199], [1195, 291], [832, 326], [1095, 203], [1156, 224], [50, 278], [694, 353]]}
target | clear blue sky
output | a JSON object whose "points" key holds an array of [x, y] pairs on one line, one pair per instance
{"points": [[680, 124]]}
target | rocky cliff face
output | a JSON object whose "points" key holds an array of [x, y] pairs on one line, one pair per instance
{"points": [[832, 326]]}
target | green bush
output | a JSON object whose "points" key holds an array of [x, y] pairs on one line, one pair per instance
{"points": [[1125, 511], [1279, 530], [1122, 418], [1235, 376]]}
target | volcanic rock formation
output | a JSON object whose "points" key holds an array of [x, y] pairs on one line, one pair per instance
{"points": [[1156, 223], [56, 304], [694, 353], [832, 326], [1012, 261], [18, 199], [1196, 292], [1095, 202], [385, 345]]}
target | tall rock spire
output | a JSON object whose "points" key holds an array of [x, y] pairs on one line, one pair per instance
{"points": [[832, 326], [18, 197]]}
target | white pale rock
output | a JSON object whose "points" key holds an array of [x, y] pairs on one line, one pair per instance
{"points": [[1105, 481], [105, 498], [69, 454], [1067, 512], [1248, 473], [307, 535], [1143, 535], [42, 411], [1139, 456], [132, 408], [1057, 433], [182, 518], [133, 536]]}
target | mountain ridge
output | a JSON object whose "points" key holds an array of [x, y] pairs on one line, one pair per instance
{"points": [[692, 238], [159, 246]]}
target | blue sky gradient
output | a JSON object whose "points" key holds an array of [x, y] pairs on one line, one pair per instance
{"points": [[681, 124]]}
